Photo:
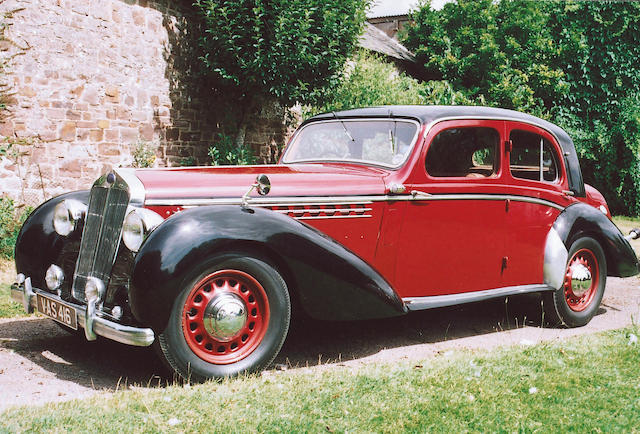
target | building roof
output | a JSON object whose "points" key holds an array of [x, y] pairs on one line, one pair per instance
{"points": [[376, 40], [393, 8]]}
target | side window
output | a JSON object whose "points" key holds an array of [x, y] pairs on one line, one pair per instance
{"points": [[471, 152], [532, 157]]}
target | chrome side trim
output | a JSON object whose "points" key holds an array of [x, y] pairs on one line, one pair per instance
{"points": [[138, 336], [555, 260], [345, 200], [322, 210], [421, 303], [268, 201], [514, 198], [334, 217], [136, 188]]}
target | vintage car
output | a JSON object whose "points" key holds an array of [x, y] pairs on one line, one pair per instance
{"points": [[371, 213]]}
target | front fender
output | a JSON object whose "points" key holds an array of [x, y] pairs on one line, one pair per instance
{"points": [[38, 245], [331, 281], [582, 219]]}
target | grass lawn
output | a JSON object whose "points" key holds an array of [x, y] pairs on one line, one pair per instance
{"points": [[8, 308], [590, 383]]}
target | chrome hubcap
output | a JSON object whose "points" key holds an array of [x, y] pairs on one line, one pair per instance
{"points": [[580, 279], [224, 316]]}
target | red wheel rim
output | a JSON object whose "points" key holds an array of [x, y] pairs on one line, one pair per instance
{"points": [[243, 288], [579, 299]]}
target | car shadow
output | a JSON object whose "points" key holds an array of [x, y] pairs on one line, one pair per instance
{"points": [[102, 364], [108, 365]]}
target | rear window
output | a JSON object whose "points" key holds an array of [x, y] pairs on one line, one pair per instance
{"points": [[532, 157]]}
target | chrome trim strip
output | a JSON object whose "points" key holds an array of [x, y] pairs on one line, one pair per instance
{"points": [[346, 200], [136, 188], [514, 198], [267, 201], [137, 336], [334, 217], [421, 303], [555, 260], [322, 210]]}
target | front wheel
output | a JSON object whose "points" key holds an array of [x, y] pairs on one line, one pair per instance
{"points": [[579, 297], [231, 317]]}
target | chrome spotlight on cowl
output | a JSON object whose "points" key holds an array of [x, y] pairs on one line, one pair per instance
{"points": [[262, 186]]}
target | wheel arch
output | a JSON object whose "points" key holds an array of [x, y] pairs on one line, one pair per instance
{"points": [[327, 280], [264, 252], [581, 220]]}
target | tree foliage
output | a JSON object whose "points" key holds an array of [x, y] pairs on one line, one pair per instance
{"points": [[573, 62], [369, 80], [287, 50]]}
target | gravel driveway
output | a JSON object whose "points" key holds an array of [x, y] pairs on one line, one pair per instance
{"points": [[39, 362]]}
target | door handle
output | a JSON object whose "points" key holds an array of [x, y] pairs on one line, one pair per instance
{"points": [[415, 194]]}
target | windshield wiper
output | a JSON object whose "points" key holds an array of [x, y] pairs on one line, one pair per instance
{"points": [[344, 127]]}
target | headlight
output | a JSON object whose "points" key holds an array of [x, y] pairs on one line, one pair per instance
{"points": [[66, 216], [138, 224]]}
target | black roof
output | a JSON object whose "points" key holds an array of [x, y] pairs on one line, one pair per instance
{"points": [[427, 114]]}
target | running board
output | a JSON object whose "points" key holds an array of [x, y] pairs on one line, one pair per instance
{"points": [[421, 303]]}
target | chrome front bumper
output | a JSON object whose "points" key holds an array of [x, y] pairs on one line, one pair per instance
{"points": [[88, 317]]}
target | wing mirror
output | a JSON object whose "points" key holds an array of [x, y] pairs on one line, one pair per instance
{"points": [[262, 186]]}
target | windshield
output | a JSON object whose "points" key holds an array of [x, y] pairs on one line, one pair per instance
{"points": [[379, 142]]}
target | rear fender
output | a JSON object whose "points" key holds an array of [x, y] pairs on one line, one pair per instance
{"points": [[331, 282], [584, 220]]}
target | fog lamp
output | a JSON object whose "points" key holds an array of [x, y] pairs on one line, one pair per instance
{"points": [[137, 226], [94, 289], [54, 277]]}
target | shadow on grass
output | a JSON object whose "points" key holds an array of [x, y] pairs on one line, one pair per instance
{"points": [[105, 364], [344, 341]]}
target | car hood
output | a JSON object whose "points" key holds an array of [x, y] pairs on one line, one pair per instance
{"points": [[286, 180]]}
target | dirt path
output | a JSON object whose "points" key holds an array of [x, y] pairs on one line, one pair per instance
{"points": [[41, 363]]}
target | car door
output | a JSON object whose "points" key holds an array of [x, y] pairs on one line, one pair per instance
{"points": [[452, 237], [537, 180]]}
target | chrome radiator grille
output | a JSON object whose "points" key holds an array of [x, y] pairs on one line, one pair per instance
{"points": [[102, 232]]}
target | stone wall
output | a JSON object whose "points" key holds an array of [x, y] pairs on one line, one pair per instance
{"points": [[92, 79]]}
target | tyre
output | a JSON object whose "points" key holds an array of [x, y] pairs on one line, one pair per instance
{"points": [[231, 317], [579, 297]]}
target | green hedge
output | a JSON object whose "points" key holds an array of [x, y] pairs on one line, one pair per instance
{"points": [[11, 220], [572, 62]]}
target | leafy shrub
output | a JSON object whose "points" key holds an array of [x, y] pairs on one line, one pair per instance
{"points": [[369, 80], [144, 154], [572, 62], [11, 221], [187, 161], [224, 153]]}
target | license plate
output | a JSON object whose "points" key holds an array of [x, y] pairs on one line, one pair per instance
{"points": [[58, 311]]}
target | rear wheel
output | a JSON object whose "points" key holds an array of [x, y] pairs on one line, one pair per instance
{"points": [[232, 317], [579, 297]]}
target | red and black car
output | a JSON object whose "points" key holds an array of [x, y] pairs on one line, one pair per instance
{"points": [[371, 213]]}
